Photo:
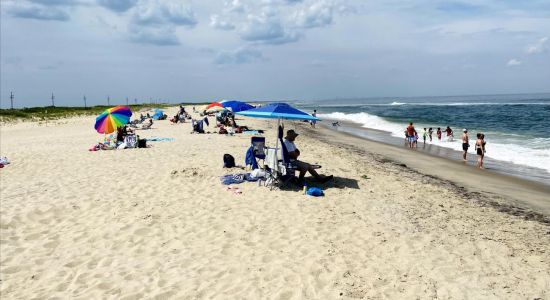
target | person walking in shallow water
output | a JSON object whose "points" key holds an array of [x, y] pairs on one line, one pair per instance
{"points": [[438, 133], [450, 135], [465, 143], [424, 135], [410, 134], [430, 132]]}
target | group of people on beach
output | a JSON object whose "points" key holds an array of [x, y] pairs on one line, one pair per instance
{"points": [[411, 138], [181, 116], [479, 147], [411, 135]]}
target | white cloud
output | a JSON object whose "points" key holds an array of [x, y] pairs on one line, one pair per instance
{"points": [[155, 22], [164, 12], [26, 10], [235, 6], [58, 2], [318, 14], [538, 47], [513, 62], [267, 28], [117, 5], [241, 55], [158, 35], [216, 22]]}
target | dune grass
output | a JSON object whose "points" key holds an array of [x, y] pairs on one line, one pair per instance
{"points": [[60, 112]]}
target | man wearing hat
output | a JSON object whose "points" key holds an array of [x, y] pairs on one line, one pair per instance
{"points": [[303, 167], [465, 143]]}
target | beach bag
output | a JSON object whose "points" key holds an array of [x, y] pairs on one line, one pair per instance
{"points": [[315, 192], [130, 141], [142, 143], [228, 161]]}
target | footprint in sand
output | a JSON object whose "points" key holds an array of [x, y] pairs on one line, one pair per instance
{"points": [[165, 295], [132, 297], [285, 295], [143, 231], [11, 270], [51, 245], [104, 286]]}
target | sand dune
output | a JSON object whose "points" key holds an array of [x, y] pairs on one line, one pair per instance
{"points": [[156, 223]]}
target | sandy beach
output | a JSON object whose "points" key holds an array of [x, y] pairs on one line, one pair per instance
{"points": [[157, 223]]}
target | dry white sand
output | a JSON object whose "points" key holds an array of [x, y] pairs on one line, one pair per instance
{"points": [[156, 223]]}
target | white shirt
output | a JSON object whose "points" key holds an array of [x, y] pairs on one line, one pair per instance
{"points": [[289, 146]]}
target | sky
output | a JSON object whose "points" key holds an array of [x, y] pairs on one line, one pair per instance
{"points": [[178, 50]]}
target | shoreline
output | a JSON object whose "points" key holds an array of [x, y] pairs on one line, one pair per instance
{"points": [[528, 173], [507, 193]]}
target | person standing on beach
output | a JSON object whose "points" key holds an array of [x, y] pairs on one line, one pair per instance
{"points": [[465, 143], [480, 149], [410, 134], [314, 114], [430, 132], [438, 133]]}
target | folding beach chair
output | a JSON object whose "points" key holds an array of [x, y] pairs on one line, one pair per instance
{"points": [[198, 125], [255, 152], [146, 126], [258, 146], [289, 169], [278, 167]]}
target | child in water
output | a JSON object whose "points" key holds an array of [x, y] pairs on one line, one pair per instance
{"points": [[438, 133], [424, 135], [430, 132]]}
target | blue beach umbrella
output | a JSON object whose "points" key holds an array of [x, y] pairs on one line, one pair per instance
{"points": [[279, 111], [236, 106]]}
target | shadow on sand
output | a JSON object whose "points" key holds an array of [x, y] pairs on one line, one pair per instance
{"points": [[336, 182]]}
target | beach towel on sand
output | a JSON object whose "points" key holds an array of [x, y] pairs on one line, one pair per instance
{"points": [[159, 139], [236, 178]]}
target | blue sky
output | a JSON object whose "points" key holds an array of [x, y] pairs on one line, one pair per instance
{"points": [[269, 49]]}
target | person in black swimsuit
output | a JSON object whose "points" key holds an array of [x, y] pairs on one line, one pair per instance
{"points": [[480, 149]]}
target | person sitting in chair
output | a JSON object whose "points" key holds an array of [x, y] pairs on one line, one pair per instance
{"points": [[303, 167], [148, 124]]}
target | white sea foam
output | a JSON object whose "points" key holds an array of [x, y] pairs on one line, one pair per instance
{"points": [[534, 152], [397, 103], [464, 103]]}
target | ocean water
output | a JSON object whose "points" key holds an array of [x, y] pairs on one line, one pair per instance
{"points": [[516, 127]]}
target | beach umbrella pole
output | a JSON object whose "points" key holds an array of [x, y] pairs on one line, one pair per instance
{"points": [[277, 138]]}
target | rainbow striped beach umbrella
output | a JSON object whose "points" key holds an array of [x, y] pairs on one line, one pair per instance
{"points": [[112, 118]]}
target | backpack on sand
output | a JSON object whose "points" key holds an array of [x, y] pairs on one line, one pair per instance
{"points": [[228, 161]]}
